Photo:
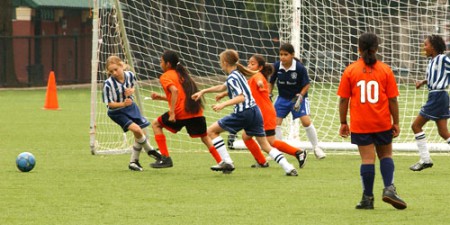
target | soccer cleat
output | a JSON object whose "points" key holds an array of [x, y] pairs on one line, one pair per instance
{"points": [[390, 196], [230, 141], [257, 165], [301, 158], [293, 173], [135, 166], [365, 203], [319, 153], [164, 162], [154, 154], [226, 168], [421, 165]]}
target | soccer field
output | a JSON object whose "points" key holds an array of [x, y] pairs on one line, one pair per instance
{"points": [[71, 186]]}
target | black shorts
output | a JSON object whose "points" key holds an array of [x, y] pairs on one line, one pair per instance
{"points": [[380, 138], [270, 133], [196, 127]]}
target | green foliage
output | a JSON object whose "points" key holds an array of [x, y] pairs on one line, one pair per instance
{"points": [[71, 186]]}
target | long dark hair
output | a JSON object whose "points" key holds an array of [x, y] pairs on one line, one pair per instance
{"points": [[438, 43], [189, 86], [267, 69], [368, 46]]}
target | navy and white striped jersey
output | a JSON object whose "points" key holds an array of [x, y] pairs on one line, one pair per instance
{"points": [[236, 85], [114, 91], [438, 72]]}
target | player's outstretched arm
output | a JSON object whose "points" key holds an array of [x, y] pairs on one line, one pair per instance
{"points": [[217, 88]]}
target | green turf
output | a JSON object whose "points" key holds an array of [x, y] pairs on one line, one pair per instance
{"points": [[71, 186]]}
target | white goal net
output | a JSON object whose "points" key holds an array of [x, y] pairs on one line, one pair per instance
{"points": [[324, 33]]}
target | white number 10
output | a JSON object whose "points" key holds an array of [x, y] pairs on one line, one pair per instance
{"points": [[366, 91]]}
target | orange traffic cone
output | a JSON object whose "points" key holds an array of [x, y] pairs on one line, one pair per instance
{"points": [[51, 98]]}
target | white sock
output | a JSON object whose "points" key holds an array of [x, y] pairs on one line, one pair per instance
{"points": [[144, 143], [279, 158], [221, 149], [312, 135], [279, 132], [135, 152], [421, 142]]}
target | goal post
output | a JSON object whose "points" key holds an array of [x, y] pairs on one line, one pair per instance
{"points": [[324, 34]]}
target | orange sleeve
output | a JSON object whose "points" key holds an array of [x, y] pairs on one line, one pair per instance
{"points": [[391, 88], [344, 89]]}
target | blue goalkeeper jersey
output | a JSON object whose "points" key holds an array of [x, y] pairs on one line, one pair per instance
{"points": [[290, 81]]}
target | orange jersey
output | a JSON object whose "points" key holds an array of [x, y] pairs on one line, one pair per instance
{"points": [[262, 99], [169, 78], [369, 90]]}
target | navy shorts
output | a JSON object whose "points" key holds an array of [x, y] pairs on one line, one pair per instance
{"points": [[284, 106], [380, 138], [127, 115], [437, 106], [196, 127], [249, 120]]}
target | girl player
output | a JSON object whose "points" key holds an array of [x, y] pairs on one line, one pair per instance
{"points": [[260, 92], [118, 95], [293, 84], [183, 111], [246, 115]]}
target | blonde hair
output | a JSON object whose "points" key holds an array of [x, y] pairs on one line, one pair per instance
{"points": [[115, 60], [231, 57]]}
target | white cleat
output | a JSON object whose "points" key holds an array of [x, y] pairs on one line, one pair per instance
{"points": [[319, 153]]}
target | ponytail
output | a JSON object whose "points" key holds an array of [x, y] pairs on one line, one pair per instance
{"points": [[368, 46], [232, 58], [267, 69], [189, 86]]}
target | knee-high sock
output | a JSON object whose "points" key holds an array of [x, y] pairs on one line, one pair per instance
{"points": [[162, 144], [136, 151], [279, 158], [421, 142], [312, 135], [387, 171], [221, 149], [215, 154], [254, 148], [367, 172], [143, 141], [285, 147], [279, 132]]}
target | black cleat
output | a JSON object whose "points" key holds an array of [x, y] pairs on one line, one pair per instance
{"points": [[365, 203], [292, 173], [257, 165], [164, 162], [301, 158], [226, 168], [154, 154], [390, 196], [421, 165], [135, 166]]}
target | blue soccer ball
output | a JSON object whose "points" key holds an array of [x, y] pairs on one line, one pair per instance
{"points": [[25, 161]]}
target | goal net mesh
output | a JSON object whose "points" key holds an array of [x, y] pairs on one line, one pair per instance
{"points": [[324, 32]]}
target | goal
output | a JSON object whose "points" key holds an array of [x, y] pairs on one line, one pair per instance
{"points": [[324, 34]]}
